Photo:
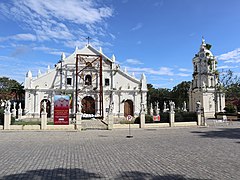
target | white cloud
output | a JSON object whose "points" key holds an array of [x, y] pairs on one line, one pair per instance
{"points": [[134, 61], [183, 74], [184, 70], [20, 37], [226, 67], [166, 71], [138, 26], [58, 21], [161, 71], [230, 57]]}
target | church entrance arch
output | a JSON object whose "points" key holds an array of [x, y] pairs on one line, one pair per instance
{"points": [[128, 108], [48, 107], [88, 105]]}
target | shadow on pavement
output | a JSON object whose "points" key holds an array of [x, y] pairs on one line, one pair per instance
{"points": [[69, 174], [230, 133], [136, 175]]}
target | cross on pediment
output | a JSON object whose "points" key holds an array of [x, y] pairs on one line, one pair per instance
{"points": [[88, 39]]}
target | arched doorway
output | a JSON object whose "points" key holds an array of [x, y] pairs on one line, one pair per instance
{"points": [[128, 108], [48, 107], [88, 105]]}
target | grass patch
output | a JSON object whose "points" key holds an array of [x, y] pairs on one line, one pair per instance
{"points": [[27, 123]]}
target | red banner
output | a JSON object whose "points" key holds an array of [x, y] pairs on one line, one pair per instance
{"points": [[61, 110], [156, 118]]}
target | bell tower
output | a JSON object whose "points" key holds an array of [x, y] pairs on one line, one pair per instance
{"points": [[205, 84]]}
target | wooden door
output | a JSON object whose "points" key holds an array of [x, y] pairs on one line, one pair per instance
{"points": [[128, 108]]}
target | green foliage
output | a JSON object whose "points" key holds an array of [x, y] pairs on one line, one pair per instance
{"points": [[126, 122], [148, 119], [185, 117], [179, 94], [27, 123], [10, 89], [1, 116], [230, 109], [157, 96], [164, 117]]}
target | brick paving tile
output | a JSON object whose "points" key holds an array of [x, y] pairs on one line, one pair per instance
{"points": [[165, 153]]}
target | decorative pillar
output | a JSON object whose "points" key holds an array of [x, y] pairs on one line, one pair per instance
{"points": [[172, 114], [14, 111], [151, 110], [142, 116], [7, 119], [78, 126], [19, 111], [44, 117], [199, 118]]}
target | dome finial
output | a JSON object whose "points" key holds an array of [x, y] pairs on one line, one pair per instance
{"points": [[203, 40]]}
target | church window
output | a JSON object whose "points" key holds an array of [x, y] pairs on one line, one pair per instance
{"points": [[88, 80], [107, 82], [69, 81]]}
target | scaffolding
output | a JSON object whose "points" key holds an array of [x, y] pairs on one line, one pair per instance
{"points": [[93, 62]]}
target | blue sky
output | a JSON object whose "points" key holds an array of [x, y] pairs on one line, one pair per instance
{"points": [[155, 37]]}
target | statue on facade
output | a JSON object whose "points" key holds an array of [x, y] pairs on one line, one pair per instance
{"points": [[184, 106], [164, 107], [151, 109], [198, 107], [8, 106], [172, 106]]}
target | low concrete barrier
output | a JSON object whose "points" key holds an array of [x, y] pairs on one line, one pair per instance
{"points": [[125, 126], [179, 124], [16, 127], [31, 127], [1, 127], [156, 125], [60, 127]]}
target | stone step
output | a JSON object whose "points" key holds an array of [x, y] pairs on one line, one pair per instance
{"points": [[93, 124]]}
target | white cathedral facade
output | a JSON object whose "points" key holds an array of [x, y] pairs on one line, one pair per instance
{"points": [[95, 84], [205, 84]]}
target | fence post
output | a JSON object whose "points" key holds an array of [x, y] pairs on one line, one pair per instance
{"points": [[78, 121], [43, 120], [7, 120]]}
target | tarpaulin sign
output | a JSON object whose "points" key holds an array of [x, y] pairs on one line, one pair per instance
{"points": [[61, 110]]}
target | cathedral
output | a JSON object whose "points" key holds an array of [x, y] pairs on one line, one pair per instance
{"points": [[205, 86], [94, 83]]}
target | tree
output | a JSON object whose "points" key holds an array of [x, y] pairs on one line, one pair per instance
{"points": [[179, 93], [230, 84], [11, 89], [157, 96]]}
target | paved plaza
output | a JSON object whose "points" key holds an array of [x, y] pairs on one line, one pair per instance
{"points": [[164, 153]]}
